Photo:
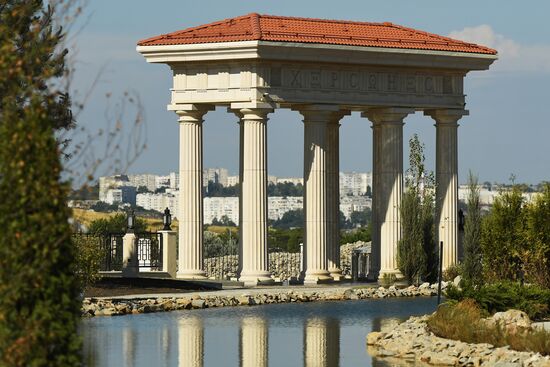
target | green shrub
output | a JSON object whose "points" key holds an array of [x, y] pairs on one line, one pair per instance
{"points": [[452, 272], [89, 256], [497, 297]]}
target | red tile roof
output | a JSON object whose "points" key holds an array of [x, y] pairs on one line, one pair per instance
{"points": [[307, 30]]}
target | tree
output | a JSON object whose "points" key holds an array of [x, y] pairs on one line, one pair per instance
{"points": [[536, 256], [472, 266], [290, 219], [416, 251], [39, 293], [360, 219], [502, 237], [115, 224]]}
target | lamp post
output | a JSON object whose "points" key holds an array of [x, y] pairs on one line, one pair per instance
{"points": [[131, 222], [167, 220]]}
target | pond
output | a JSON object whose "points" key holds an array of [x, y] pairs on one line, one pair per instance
{"points": [[296, 334]]}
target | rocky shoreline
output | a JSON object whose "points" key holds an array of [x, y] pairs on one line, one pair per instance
{"points": [[124, 306], [413, 342]]}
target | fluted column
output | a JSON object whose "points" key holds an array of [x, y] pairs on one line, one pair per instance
{"points": [[446, 192], [253, 201], [190, 261], [254, 343], [319, 231], [190, 342], [333, 195], [321, 343], [387, 191]]}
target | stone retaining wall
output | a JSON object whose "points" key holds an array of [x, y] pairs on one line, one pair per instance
{"points": [[112, 307], [412, 341]]}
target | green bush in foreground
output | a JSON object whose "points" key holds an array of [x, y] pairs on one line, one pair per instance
{"points": [[497, 297], [39, 294], [463, 321]]}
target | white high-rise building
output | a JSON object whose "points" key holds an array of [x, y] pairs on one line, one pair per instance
{"points": [[111, 182], [232, 180], [350, 204], [279, 205], [217, 207], [174, 180], [159, 202], [355, 183], [120, 195], [147, 180], [216, 175], [162, 181]]}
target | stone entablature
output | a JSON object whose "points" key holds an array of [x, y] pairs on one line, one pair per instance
{"points": [[287, 83]]}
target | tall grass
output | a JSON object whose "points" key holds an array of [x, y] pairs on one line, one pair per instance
{"points": [[463, 321]]}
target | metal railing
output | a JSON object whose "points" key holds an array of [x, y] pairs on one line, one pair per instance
{"points": [[149, 250]]}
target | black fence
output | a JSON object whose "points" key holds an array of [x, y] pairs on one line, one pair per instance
{"points": [[148, 247], [149, 250]]}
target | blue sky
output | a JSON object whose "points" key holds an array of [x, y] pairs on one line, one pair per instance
{"points": [[508, 130]]}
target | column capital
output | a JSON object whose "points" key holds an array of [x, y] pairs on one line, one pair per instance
{"points": [[387, 115], [446, 116], [321, 113], [191, 112]]}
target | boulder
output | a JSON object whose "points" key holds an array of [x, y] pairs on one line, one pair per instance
{"points": [[512, 320]]}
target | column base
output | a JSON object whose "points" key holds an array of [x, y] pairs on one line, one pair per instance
{"points": [[192, 274], [336, 275], [390, 273], [317, 277], [255, 279]]}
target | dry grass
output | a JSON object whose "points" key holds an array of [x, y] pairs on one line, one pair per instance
{"points": [[462, 321]]}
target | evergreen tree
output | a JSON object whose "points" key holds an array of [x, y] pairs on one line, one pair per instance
{"points": [[472, 266], [416, 251], [39, 294], [503, 237]]}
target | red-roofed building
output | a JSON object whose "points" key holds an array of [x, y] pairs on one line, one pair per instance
{"points": [[256, 27], [325, 69]]}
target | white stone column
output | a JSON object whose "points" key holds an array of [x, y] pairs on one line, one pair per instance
{"points": [[319, 157], [253, 201], [446, 177], [387, 188], [190, 262], [254, 342], [333, 195], [190, 342]]}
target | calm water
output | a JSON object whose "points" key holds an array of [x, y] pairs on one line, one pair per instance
{"points": [[306, 334]]}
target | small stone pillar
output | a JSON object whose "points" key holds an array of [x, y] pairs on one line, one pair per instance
{"points": [[169, 255], [130, 266]]}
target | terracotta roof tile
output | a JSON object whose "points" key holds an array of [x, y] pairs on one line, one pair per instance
{"points": [[308, 30]]}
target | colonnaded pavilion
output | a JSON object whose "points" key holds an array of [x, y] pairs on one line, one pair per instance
{"points": [[324, 69]]}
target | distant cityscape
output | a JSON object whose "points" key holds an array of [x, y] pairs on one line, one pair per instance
{"points": [[157, 192]]}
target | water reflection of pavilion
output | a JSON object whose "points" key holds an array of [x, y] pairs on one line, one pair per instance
{"points": [[187, 342]]}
